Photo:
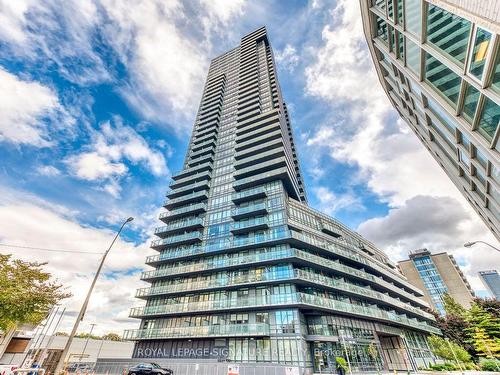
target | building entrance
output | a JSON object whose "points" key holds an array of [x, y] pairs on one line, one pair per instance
{"points": [[395, 353]]}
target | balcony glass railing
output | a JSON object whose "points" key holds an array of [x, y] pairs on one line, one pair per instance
{"points": [[175, 252], [187, 187], [280, 300], [223, 304], [249, 193], [197, 194], [177, 239], [253, 222], [205, 175], [179, 225], [259, 177], [368, 311], [226, 330], [216, 283], [192, 170], [183, 210], [337, 250], [238, 211]]}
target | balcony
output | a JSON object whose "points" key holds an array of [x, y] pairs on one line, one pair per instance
{"points": [[251, 210], [248, 195], [175, 253], [208, 144], [259, 167], [174, 193], [196, 196], [197, 155], [281, 300], [202, 266], [226, 330], [192, 170], [205, 285], [262, 178], [183, 225], [194, 162], [205, 175], [250, 225], [180, 239], [364, 311]]}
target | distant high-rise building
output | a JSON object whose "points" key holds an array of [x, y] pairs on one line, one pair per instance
{"points": [[247, 272], [437, 274], [491, 279], [439, 63]]}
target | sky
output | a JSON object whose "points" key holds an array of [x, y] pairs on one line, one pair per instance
{"points": [[97, 103]]}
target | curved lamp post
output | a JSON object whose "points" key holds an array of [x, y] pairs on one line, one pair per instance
{"points": [[60, 364], [472, 243]]}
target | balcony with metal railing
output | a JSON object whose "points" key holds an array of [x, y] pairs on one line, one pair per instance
{"points": [[225, 330], [197, 186]]}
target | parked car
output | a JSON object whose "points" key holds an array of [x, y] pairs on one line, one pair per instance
{"points": [[7, 369], [149, 369]]}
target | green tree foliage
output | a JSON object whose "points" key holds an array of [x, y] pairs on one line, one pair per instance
{"points": [[448, 349], [27, 292], [112, 336], [452, 307], [483, 331]]}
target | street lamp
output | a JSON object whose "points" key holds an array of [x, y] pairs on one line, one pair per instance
{"points": [[60, 364], [470, 244]]}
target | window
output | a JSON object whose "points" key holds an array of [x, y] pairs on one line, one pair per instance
{"points": [[413, 12], [488, 122], [443, 79], [379, 4], [448, 32], [495, 78], [382, 30], [401, 46], [413, 57], [481, 44], [470, 103]]}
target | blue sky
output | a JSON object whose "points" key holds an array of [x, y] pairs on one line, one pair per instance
{"points": [[97, 101]]}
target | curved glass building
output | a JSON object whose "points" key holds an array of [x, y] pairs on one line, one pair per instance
{"points": [[439, 63], [246, 272]]}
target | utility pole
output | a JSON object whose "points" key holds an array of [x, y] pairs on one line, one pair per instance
{"points": [[64, 354]]}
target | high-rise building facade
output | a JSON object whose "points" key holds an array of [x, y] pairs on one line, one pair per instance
{"points": [[491, 280], [439, 63], [436, 275], [247, 272]]}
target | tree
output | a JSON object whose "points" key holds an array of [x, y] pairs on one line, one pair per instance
{"points": [[491, 305], [452, 307], [448, 350], [27, 292], [112, 337], [485, 345]]}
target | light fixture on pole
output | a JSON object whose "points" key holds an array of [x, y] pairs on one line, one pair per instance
{"points": [[472, 243], [60, 364]]}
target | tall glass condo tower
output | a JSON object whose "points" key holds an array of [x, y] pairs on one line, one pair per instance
{"points": [[246, 271]]}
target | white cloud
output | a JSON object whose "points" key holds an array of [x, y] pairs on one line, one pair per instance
{"points": [[438, 224], [105, 159], [22, 222], [48, 170], [330, 203], [364, 131], [92, 166], [288, 58], [25, 109], [12, 20]]}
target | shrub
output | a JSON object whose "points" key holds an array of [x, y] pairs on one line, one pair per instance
{"points": [[443, 367], [489, 365]]}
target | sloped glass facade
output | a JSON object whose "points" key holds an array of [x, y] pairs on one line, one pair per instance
{"points": [[446, 87], [246, 271]]}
